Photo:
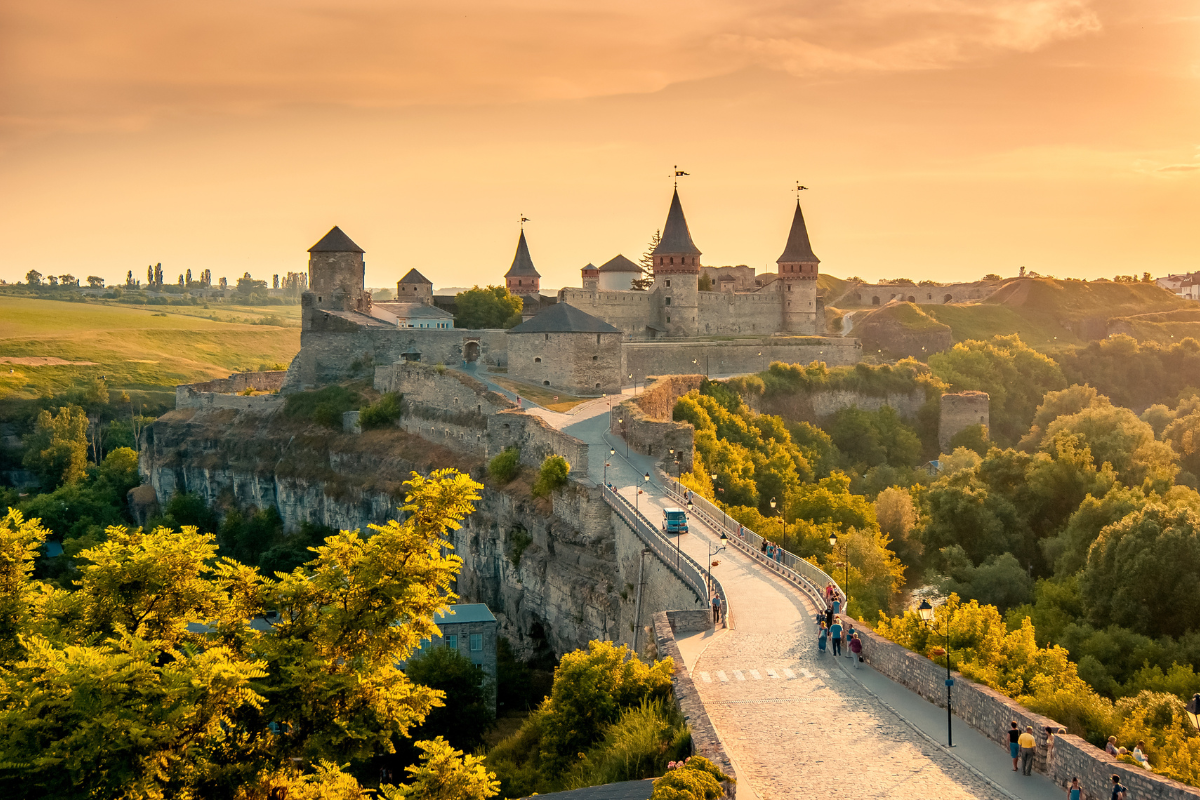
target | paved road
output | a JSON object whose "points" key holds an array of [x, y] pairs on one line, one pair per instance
{"points": [[797, 723]]}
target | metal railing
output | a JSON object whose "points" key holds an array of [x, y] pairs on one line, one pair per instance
{"points": [[687, 568], [807, 576]]}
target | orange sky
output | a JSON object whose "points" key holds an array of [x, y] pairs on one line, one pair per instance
{"points": [[940, 139]]}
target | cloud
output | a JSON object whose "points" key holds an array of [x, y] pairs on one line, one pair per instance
{"points": [[78, 63], [1180, 168]]}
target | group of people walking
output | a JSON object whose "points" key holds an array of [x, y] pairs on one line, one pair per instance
{"points": [[831, 631]]}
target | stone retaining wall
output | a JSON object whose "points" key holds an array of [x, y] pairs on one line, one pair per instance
{"points": [[223, 392], [654, 437], [705, 741], [990, 713]]}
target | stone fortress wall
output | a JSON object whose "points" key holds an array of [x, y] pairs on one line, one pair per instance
{"points": [[880, 294], [990, 713], [630, 311], [449, 408], [225, 392], [959, 411], [735, 356], [580, 363]]}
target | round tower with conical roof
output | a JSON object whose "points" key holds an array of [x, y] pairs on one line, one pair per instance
{"points": [[676, 262], [798, 280], [336, 271]]}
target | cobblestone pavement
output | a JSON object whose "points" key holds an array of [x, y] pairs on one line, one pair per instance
{"points": [[794, 723]]}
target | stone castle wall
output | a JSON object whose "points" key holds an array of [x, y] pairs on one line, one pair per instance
{"points": [[959, 411], [817, 406], [990, 713], [586, 364], [730, 313], [655, 438], [868, 294], [327, 355], [224, 392], [685, 357], [536, 440], [631, 312]]}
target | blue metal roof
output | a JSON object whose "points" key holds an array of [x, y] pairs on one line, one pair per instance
{"points": [[465, 612]]}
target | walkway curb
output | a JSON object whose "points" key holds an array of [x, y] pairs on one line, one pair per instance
{"points": [[947, 750]]}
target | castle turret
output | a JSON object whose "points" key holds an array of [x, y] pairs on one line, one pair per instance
{"points": [[522, 278], [415, 288], [591, 277], [798, 280], [336, 271], [677, 273]]}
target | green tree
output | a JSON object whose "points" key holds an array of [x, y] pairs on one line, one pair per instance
{"points": [[56, 450], [1117, 437], [491, 307], [467, 711], [646, 262], [1015, 377], [33, 278], [897, 516], [551, 476], [505, 465], [1062, 403], [150, 680], [445, 774], [1144, 572]]}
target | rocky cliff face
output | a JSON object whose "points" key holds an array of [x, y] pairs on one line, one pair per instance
{"points": [[556, 573]]}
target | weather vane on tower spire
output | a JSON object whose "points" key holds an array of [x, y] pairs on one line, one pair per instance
{"points": [[678, 173], [799, 189], [524, 219]]}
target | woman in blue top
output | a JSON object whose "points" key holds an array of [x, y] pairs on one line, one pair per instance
{"points": [[1074, 792], [821, 637]]}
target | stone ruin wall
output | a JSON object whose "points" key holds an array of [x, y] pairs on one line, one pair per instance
{"points": [[866, 294], [960, 411], [629, 311], [676, 357], [224, 392]]}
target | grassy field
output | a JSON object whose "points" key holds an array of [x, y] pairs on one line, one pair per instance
{"points": [[552, 399], [143, 348]]}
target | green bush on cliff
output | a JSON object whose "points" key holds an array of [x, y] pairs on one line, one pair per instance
{"points": [[504, 467], [324, 406], [552, 475], [381, 414], [609, 718]]}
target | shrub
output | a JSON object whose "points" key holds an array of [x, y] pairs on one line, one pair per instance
{"points": [[381, 414], [324, 406], [503, 468], [694, 779], [552, 475]]}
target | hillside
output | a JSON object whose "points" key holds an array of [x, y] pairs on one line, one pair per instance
{"points": [[47, 346], [1049, 314]]}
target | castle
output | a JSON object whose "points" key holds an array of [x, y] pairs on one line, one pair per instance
{"points": [[589, 340], [674, 307]]}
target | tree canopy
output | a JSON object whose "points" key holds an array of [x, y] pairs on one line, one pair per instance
{"points": [[167, 671], [490, 307]]}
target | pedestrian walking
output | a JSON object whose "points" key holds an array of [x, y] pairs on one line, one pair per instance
{"points": [[1014, 749], [1118, 791], [821, 637], [837, 604], [764, 547], [856, 650], [1074, 791], [850, 634], [716, 606], [835, 632], [829, 617], [1028, 750]]}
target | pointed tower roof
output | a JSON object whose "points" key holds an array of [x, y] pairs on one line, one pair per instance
{"points": [[335, 242], [619, 263], [522, 264], [676, 238], [798, 248], [412, 276]]}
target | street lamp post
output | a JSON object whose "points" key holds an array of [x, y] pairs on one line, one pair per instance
{"points": [[621, 422], [678, 532], [712, 553], [646, 479], [846, 562], [925, 612]]}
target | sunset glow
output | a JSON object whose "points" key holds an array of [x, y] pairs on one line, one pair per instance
{"points": [[940, 139]]}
